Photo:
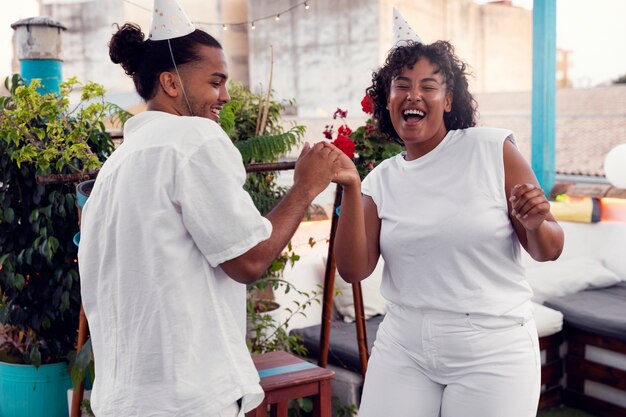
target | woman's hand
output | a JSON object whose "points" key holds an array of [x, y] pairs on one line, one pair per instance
{"points": [[344, 170], [529, 205]]}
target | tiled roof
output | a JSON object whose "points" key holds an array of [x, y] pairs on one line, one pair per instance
{"points": [[589, 123]]}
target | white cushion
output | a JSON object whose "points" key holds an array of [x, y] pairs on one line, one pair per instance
{"points": [[547, 320], [373, 302], [307, 275], [568, 276]]}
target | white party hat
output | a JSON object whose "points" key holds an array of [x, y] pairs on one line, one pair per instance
{"points": [[169, 21], [402, 31]]}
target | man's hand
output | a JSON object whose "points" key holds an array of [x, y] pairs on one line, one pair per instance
{"points": [[315, 168]]}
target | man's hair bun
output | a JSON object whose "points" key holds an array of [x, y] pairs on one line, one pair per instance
{"points": [[127, 46]]}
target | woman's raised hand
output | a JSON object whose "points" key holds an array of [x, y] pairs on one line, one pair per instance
{"points": [[529, 205], [344, 170]]}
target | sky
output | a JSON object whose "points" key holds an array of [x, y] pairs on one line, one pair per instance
{"points": [[594, 31]]}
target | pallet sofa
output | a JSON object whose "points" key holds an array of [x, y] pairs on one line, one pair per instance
{"points": [[595, 321], [580, 312]]}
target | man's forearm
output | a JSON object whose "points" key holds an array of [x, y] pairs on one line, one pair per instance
{"points": [[285, 219]]}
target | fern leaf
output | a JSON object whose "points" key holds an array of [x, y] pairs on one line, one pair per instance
{"points": [[269, 147]]}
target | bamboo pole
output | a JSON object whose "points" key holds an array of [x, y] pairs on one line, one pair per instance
{"points": [[84, 176], [270, 166], [78, 392], [66, 178], [361, 328], [329, 285], [260, 112], [261, 128]]}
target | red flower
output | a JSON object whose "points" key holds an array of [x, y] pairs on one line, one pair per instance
{"points": [[367, 105], [328, 132], [340, 113], [346, 145], [344, 130]]}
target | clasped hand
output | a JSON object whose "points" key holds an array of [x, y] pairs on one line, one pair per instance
{"points": [[529, 205], [322, 163]]}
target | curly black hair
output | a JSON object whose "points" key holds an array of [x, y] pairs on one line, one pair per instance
{"points": [[440, 54], [145, 60]]}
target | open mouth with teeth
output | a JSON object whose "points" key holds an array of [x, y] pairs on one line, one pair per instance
{"points": [[216, 111], [413, 115]]}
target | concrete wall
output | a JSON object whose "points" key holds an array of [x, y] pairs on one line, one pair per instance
{"points": [[506, 61], [89, 30], [325, 56], [90, 26], [235, 39]]}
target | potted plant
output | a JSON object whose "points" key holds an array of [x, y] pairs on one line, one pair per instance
{"points": [[42, 135]]}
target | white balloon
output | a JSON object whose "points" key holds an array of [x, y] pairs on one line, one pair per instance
{"points": [[615, 166]]}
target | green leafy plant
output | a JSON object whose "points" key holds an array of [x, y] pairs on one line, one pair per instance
{"points": [[241, 119], [267, 334], [252, 121], [303, 407], [17, 346], [42, 135], [85, 408]]}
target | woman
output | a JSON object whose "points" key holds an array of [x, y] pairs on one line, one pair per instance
{"points": [[448, 216]]}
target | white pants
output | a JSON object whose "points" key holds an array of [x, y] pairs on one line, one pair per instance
{"points": [[433, 363]]}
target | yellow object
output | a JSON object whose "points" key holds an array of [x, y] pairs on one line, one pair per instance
{"points": [[572, 209]]}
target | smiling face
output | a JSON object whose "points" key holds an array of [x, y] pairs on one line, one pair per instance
{"points": [[205, 83], [418, 98]]}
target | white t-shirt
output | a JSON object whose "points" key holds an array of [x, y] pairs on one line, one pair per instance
{"points": [[446, 236], [167, 324]]}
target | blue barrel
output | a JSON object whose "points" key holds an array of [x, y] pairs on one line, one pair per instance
{"points": [[27, 391], [47, 70]]}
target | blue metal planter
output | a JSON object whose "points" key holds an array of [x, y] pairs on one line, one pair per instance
{"points": [[26, 391]]}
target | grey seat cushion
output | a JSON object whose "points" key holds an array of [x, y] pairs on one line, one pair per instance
{"points": [[600, 311], [343, 347]]}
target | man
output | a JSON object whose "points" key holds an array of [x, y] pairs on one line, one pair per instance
{"points": [[169, 238]]}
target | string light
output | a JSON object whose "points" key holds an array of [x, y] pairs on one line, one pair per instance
{"points": [[225, 26]]}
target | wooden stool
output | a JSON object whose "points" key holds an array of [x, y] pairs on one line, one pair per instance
{"points": [[286, 377]]}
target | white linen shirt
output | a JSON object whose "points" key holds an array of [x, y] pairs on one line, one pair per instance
{"points": [[167, 324]]}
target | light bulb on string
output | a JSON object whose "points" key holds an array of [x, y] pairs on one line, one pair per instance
{"points": [[252, 23]]}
